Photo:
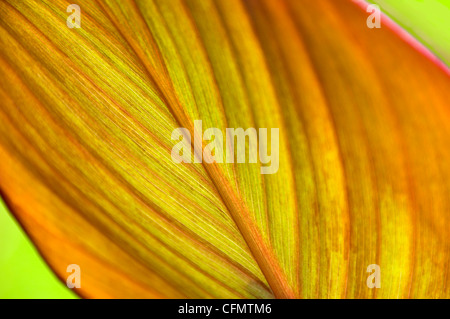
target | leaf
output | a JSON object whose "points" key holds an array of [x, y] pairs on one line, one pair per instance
{"points": [[85, 141]]}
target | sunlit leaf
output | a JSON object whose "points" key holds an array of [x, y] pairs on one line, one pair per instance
{"points": [[87, 116]]}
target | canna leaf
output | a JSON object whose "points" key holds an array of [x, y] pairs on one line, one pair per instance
{"points": [[87, 116]]}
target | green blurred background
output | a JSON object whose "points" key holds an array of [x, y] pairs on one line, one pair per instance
{"points": [[427, 20], [23, 273]]}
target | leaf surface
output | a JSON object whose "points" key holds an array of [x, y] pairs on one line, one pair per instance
{"points": [[87, 116]]}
